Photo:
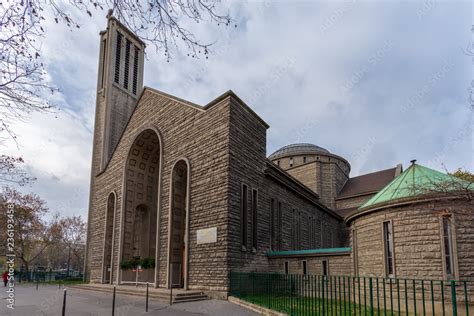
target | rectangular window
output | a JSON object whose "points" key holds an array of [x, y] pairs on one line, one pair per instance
{"points": [[254, 218], [325, 268], [287, 267], [293, 228], [305, 267], [304, 159], [118, 49], [354, 252], [291, 162], [310, 233], [135, 70], [127, 63], [298, 231], [104, 56], [448, 246], [323, 244], [279, 236], [272, 224], [244, 214], [388, 248]]}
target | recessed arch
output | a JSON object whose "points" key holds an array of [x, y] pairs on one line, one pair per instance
{"points": [[139, 230], [109, 227], [178, 224]]}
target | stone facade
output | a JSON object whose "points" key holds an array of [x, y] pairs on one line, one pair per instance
{"points": [[417, 240], [191, 188]]}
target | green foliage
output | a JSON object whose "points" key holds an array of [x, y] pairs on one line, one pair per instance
{"points": [[145, 263]]}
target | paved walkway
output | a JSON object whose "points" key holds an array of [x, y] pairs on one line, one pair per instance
{"points": [[48, 301]]}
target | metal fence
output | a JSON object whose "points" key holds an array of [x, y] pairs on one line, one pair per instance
{"points": [[48, 276], [297, 294]]}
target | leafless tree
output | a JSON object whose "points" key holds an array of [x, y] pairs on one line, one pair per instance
{"points": [[458, 184], [12, 172], [23, 87]]}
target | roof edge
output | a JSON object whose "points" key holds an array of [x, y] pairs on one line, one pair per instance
{"points": [[402, 201], [233, 95], [281, 175]]}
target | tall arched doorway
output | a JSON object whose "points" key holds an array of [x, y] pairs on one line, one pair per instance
{"points": [[108, 239], [139, 223], [179, 218]]}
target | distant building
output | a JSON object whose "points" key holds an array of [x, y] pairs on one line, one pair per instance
{"points": [[187, 191]]}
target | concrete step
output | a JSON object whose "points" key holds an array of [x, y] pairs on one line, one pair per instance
{"points": [[158, 294]]}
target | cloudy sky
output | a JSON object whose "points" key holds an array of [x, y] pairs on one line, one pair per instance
{"points": [[377, 82]]}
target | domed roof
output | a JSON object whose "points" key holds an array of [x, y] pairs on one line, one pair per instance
{"points": [[298, 149]]}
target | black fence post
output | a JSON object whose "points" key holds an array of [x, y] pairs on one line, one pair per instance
{"points": [[113, 302], [64, 303], [146, 304], [170, 281], [37, 281]]}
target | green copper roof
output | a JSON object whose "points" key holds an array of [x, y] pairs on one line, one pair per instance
{"points": [[414, 181], [309, 252]]}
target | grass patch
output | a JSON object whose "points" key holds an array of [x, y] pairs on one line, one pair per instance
{"points": [[298, 305]]}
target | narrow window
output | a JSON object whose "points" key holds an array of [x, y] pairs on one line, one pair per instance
{"points": [[310, 233], [287, 267], [279, 237], [325, 268], [104, 55], [388, 245], [305, 267], [135, 71], [278, 162], [293, 226], [322, 235], [254, 218], [304, 159], [127, 64], [291, 162], [298, 231], [272, 224], [314, 233], [117, 57], [354, 252], [448, 246], [244, 214]]}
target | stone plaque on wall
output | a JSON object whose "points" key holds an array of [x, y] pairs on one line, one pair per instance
{"points": [[206, 236]]}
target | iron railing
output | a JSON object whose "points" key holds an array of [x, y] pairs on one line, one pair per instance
{"points": [[297, 294], [47, 276]]}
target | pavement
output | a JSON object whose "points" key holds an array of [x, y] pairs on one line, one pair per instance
{"points": [[48, 300]]}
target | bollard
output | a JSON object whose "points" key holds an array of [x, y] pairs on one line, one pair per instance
{"points": [[37, 284], [113, 303], [64, 303], [146, 304], [59, 284]]}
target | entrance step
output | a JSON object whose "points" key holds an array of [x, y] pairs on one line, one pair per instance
{"points": [[160, 294]]}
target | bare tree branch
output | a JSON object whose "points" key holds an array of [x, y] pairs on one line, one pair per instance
{"points": [[23, 87]]}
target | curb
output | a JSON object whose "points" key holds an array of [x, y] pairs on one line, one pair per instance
{"points": [[256, 308]]}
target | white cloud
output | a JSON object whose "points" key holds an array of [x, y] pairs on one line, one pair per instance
{"points": [[289, 61]]}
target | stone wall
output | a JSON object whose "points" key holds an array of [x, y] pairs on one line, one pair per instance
{"points": [[416, 238], [351, 202], [186, 131], [337, 264]]}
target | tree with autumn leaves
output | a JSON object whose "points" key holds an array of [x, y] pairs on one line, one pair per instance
{"points": [[38, 239]]}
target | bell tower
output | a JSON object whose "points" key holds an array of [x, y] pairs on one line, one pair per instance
{"points": [[119, 85]]}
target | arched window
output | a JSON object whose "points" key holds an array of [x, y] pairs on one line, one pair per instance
{"points": [[108, 238]]}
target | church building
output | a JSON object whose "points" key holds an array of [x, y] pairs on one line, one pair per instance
{"points": [[181, 194]]}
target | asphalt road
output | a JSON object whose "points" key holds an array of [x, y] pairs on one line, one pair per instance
{"points": [[48, 301]]}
